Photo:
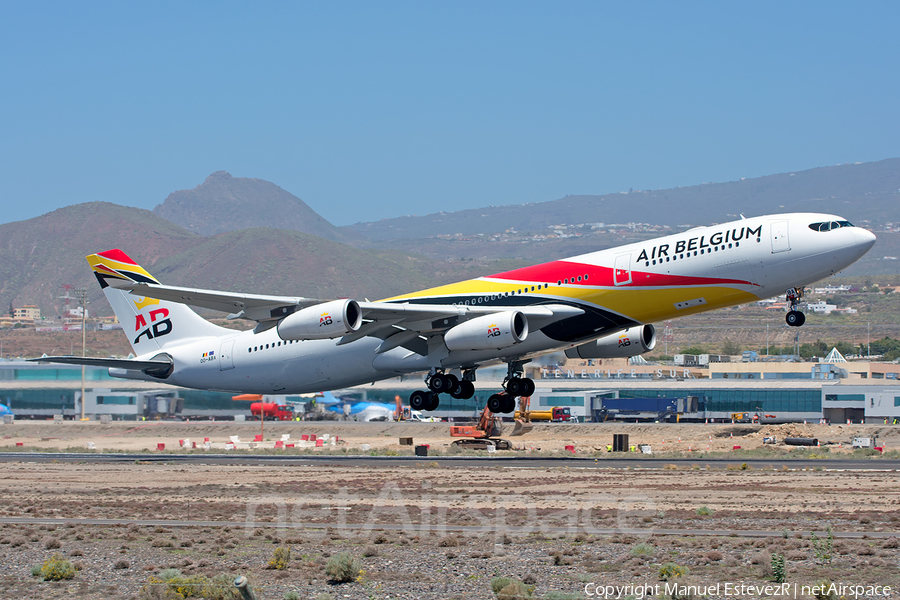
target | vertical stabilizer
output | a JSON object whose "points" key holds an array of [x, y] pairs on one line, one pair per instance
{"points": [[151, 325]]}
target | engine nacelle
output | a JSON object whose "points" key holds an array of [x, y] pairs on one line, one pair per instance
{"points": [[322, 321], [488, 332], [628, 343]]}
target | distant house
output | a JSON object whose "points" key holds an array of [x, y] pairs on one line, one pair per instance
{"points": [[821, 308], [28, 313], [832, 289]]}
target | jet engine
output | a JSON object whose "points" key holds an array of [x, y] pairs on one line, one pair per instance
{"points": [[322, 321], [630, 342], [488, 332]]}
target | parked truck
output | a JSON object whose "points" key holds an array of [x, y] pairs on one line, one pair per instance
{"points": [[558, 414], [271, 411]]}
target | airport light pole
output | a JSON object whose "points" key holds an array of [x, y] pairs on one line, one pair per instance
{"points": [[81, 293]]}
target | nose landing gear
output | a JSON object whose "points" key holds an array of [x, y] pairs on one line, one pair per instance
{"points": [[794, 317]]}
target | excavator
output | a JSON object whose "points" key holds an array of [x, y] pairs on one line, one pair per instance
{"points": [[487, 432]]}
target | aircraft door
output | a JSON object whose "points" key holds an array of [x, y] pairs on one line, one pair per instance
{"points": [[780, 241], [226, 355], [622, 271]]}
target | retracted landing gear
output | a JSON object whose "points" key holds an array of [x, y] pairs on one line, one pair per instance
{"points": [[794, 317], [440, 383]]}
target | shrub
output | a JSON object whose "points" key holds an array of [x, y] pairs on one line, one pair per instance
{"points": [[169, 574], [122, 564], [57, 568], [156, 589], [370, 551], [824, 549], [778, 569], [291, 596], [704, 511], [891, 542], [342, 567], [448, 541], [643, 549], [52, 544], [36, 571], [221, 587], [714, 555], [514, 591], [280, 559], [561, 596], [178, 587], [498, 583], [670, 571]]}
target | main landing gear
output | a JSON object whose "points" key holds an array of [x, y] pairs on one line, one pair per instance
{"points": [[439, 383], [514, 385], [794, 317]]}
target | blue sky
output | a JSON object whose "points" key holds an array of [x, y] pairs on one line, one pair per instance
{"points": [[368, 110]]}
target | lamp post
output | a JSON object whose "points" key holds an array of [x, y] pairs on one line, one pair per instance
{"points": [[81, 294]]}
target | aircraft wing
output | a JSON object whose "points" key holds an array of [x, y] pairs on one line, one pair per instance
{"points": [[419, 317], [405, 323]]}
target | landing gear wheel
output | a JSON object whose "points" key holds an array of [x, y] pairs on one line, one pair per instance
{"points": [[496, 403], [795, 318], [529, 387], [515, 386], [463, 390], [418, 400], [441, 382], [509, 405], [433, 401]]}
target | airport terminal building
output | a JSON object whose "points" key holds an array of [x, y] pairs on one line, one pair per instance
{"points": [[827, 392]]}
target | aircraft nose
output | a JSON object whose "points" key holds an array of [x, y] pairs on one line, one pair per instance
{"points": [[865, 239]]}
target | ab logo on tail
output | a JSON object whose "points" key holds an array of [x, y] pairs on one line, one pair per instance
{"points": [[159, 323]]}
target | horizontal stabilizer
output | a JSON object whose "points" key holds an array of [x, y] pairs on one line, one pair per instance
{"points": [[241, 306], [111, 363]]}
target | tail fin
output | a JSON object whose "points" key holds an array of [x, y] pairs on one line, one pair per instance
{"points": [[151, 325]]}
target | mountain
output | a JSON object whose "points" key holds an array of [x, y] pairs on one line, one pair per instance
{"points": [[859, 192], [225, 203], [40, 255]]}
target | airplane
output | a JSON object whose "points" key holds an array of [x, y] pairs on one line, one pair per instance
{"points": [[597, 305]]}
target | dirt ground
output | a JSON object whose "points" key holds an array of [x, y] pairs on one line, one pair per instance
{"points": [[587, 438], [432, 531]]}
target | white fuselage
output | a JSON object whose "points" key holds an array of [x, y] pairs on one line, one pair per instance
{"points": [[647, 282]]}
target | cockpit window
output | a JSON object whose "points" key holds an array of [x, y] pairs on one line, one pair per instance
{"points": [[829, 225]]}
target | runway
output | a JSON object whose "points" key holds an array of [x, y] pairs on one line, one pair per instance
{"points": [[524, 462]]}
